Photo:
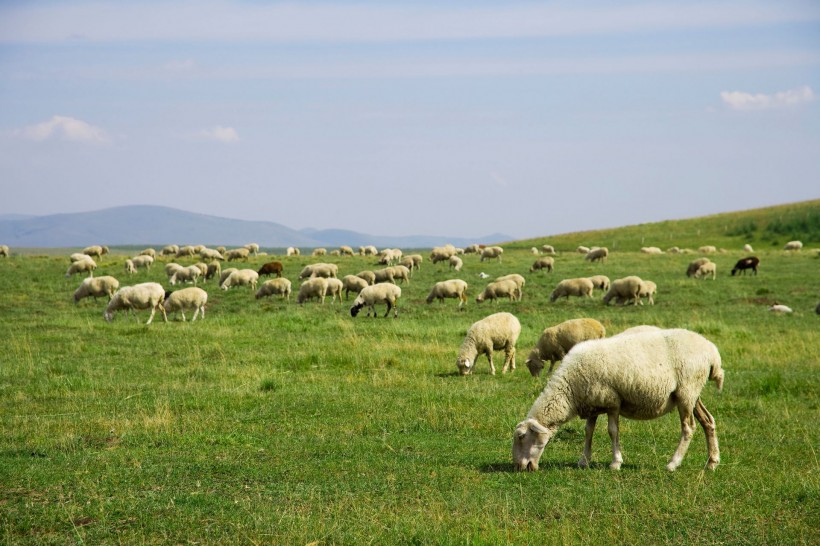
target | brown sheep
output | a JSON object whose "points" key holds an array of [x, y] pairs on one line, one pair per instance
{"points": [[271, 268]]}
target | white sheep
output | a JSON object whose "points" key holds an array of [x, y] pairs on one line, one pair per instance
{"points": [[627, 288], [319, 270], [493, 333], [353, 283], [580, 287], [694, 265], [400, 273], [148, 295], [171, 268], [556, 341], [707, 249], [780, 308], [473, 249], [95, 250], [210, 254], [705, 270], [4, 251], [314, 287], [186, 251], [547, 249], [96, 287], [345, 250], [747, 248], [191, 298], [499, 289], [597, 254], [455, 263], [452, 288], [543, 263], [648, 290], [412, 261], [214, 270], [225, 274], [279, 286], [517, 279], [368, 276], [292, 251], [130, 268], [534, 251], [186, 274], [142, 260], [582, 249], [442, 253], [334, 289], [253, 248], [651, 250], [169, 250], [78, 257], [83, 266], [674, 250], [793, 245], [638, 376], [384, 275], [148, 252], [377, 293], [491, 252], [600, 281], [237, 254], [242, 277], [319, 252], [368, 250]]}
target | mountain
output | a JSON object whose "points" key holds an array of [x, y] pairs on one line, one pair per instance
{"points": [[155, 225]]}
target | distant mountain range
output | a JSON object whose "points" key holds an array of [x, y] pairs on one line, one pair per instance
{"points": [[155, 225]]}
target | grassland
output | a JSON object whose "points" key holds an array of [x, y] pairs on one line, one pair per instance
{"points": [[276, 423]]}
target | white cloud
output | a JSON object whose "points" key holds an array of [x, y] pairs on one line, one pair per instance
{"points": [[65, 128], [739, 100], [218, 133]]}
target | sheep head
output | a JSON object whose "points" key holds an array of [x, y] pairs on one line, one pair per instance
{"points": [[529, 440], [465, 365], [534, 363], [356, 308]]}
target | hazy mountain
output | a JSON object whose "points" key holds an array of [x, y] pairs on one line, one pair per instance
{"points": [[155, 225]]}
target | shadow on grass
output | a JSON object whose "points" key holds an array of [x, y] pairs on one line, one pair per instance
{"points": [[498, 468]]}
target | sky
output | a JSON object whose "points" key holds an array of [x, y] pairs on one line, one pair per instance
{"points": [[460, 118]]}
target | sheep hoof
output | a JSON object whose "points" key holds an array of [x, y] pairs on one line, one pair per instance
{"points": [[671, 467], [616, 465], [711, 465], [583, 463]]}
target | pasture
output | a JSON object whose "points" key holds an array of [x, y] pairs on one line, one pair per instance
{"points": [[275, 423]]}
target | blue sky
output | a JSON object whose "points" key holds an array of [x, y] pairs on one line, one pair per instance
{"points": [[397, 118]]}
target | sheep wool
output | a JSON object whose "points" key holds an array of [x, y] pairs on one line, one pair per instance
{"points": [[187, 299], [148, 295], [581, 287], [377, 293], [493, 333], [96, 287], [278, 286], [452, 288], [555, 342]]}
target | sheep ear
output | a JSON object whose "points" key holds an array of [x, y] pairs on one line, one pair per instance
{"points": [[537, 427], [466, 363]]}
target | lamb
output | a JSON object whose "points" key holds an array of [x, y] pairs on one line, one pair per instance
{"points": [[225, 274], [314, 287], [95, 250], [600, 281], [452, 288], [793, 245], [556, 341], [572, 287], [148, 295], [491, 252], [648, 290], [543, 263], [640, 376], [353, 283], [334, 289], [377, 293], [597, 254], [694, 265], [271, 268], [292, 251], [278, 286], [498, 289], [455, 263], [242, 277], [780, 308], [96, 287], [709, 268], [493, 333], [186, 274], [368, 276], [169, 250], [191, 298], [130, 268], [517, 279], [83, 266], [237, 254], [4, 251], [625, 289], [547, 249]]}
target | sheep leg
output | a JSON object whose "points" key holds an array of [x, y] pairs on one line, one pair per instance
{"points": [[708, 423], [509, 358], [389, 307], [687, 428], [490, 358], [153, 310], [183, 315], [586, 457], [612, 427]]}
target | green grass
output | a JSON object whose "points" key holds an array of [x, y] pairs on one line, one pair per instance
{"points": [[276, 423]]}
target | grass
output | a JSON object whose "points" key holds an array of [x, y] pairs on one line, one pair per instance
{"points": [[276, 423]]}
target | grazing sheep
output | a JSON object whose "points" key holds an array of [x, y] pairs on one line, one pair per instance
{"points": [[278, 286], [547, 249], [638, 376], [543, 263], [638, 330], [493, 333], [793, 245], [271, 268], [319, 270], [169, 250], [345, 250], [651, 250], [517, 279], [237, 254], [95, 251], [389, 256], [455, 263], [130, 268], [412, 261], [191, 298], [648, 290], [627, 288], [780, 308], [96, 287], [214, 270], [368, 276], [186, 274], [149, 252], [253, 248], [597, 254], [368, 250], [747, 248], [334, 289], [442, 253], [499, 289], [707, 249], [242, 277], [377, 293], [203, 268], [673, 250], [473, 249], [148, 295], [600, 281], [171, 268], [225, 274], [143, 260], [353, 283], [452, 288], [582, 250], [4, 251], [694, 265], [400, 273], [556, 341], [491, 252], [79, 257], [319, 252], [534, 251], [210, 254], [292, 251], [746, 263], [314, 287], [186, 251], [83, 266], [572, 287], [709, 268], [383, 275]]}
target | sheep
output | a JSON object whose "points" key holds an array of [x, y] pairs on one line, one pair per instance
{"points": [[707, 249], [582, 250], [640, 376], [624, 289], [198, 248], [694, 265], [237, 254], [320, 270], [534, 251], [651, 250], [793, 245], [79, 257], [314, 287], [600, 281], [648, 290], [472, 249], [225, 274], [780, 308], [572, 287], [383, 275], [293, 251], [210, 254], [148, 252], [745, 264], [345, 250], [203, 268], [442, 253], [4, 251], [452, 288], [169, 250], [253, 248], [242, 277], [709, 268], [499, 289], [95, 250], [400, 273], [130, 268], [186, 251], [377, 293], [83, 266], [148, 295], [334, 289], [491, 252], [638, 330], [278, 286], [171, 268], [186, 298], [368, 250], [143, 260], [96, 287], [389, 256], [412, 262], [747, 248], [483, 275], [319, 252], [353, 283], [271, 268], [368, 276], [214, 270], [493, 333], [556, 341], [517, 279], [597, 254], [674, 250], [455, 263], [186, 274], [543, 263], [547, 249]]}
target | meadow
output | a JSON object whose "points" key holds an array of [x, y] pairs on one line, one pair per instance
{"points": [[276, 423]]}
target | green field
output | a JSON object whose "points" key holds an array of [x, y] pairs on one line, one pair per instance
{"points": [[274, 423]]}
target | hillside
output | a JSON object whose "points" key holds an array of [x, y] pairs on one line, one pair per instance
{"points": [[768, 227]]}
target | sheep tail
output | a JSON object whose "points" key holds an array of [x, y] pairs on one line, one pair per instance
{"points": [[716, 375]]}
